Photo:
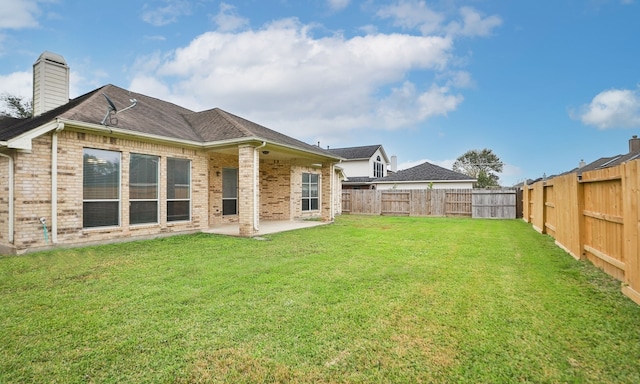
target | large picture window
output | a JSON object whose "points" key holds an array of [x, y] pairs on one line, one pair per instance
{"points": [[178, 189], [143, 189], [229, 191], [309, 191], [100, 188]]}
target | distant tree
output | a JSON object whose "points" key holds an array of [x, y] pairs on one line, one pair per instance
{"points": [[481, 165], [16, 106]]}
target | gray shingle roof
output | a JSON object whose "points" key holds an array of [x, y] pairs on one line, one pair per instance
{"points": [[425, 172], [354, 153], [157, 117]]}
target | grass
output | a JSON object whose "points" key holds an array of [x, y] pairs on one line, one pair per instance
{"points": [[367, 299]]}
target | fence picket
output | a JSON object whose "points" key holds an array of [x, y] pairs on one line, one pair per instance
{"points": [[595, 218]]}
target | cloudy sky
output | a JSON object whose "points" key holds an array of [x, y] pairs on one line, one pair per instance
{"points": [[542, 83]]}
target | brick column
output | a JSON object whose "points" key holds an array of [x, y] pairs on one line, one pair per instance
{"points": [[326, 194], [247, 188]]}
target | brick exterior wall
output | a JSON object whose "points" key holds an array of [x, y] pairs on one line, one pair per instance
{"points": [[33, 191], [247, 187], [275, 190], [217, 162], [296, 192], [280, 191], [4, 200]]}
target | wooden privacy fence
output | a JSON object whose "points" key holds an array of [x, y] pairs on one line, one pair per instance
{"points": [[594, 218], [499, 203]]}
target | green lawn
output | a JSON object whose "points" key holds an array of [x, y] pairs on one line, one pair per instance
{"points": [[367, 299]]}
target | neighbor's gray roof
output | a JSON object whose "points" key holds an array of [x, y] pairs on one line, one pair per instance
{"points": [[606, 162], [356, 153], [425, 172], [157, 117]]}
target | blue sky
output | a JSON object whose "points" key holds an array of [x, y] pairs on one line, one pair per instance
{"points": [[542, 83]]}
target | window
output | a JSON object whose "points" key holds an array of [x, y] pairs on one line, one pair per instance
{"points": [[378, 168], [143, 189], [309, 191], [178, 189], [229, 191], [100, 188]]}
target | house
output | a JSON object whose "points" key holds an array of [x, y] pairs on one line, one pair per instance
{"points": [[612, 161], [603, 162], [425, 176], [113, 165], [362, 165]]}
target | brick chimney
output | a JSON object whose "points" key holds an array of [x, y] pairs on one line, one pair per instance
{"points": [[50, 83], [634, 144]]}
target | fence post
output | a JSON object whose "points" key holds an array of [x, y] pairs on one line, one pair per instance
{"points": [[579, 190], [631, 283], [525, 202]]}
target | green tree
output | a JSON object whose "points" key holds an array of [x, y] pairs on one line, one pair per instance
{"points": [[482, 165], [16, 106]]}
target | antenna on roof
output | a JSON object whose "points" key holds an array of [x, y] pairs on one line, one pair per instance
{"points": [[112, 108]]}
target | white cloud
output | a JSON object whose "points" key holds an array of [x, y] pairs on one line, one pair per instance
{"points": [[18, 14], [338, 5], [461, 79], [228, 20], [473, 24], [437, 101], [410, 14], [17, 84], [615, 108], [167, 14], [413, 14], [285, 78]]}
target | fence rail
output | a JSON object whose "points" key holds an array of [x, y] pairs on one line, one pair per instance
{"points": [[499, 203], [594, 218]]}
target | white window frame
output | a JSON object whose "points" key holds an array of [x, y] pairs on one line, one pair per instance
{"points": [[188, 199], [156, 199], [119, 189], [309, 205]]}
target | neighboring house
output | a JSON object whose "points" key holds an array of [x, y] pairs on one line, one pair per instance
{"points": [[362, 165], [603, 162], [425, 176], [112, 165]]}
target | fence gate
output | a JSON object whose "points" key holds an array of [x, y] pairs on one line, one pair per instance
{"points": [[458, 202], [346, 201], [494, 203], [396, 203]]}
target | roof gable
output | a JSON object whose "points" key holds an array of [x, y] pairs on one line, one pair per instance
{"points": [[425, 172], [358, 153]]}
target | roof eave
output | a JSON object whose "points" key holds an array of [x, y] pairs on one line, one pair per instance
{"points": [[119, 132], [24, 140]]}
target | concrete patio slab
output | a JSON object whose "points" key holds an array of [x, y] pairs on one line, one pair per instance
{"points": [[266, 227]]}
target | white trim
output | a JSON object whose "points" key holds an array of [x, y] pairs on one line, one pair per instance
{"points": [[23, 141], [11, 192]]}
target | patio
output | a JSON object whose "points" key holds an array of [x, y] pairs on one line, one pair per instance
{"points": [[266, 227]]}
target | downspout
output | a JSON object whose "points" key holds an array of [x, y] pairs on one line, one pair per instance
{"points": [[10, 196], [256, 187], [54, 183]]}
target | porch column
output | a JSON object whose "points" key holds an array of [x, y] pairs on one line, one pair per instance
{"points": [[248, 187], [326, 195]]}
